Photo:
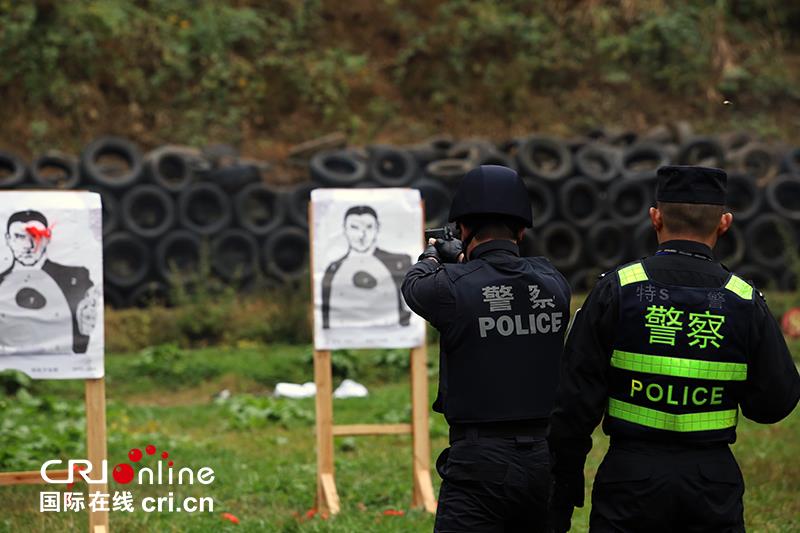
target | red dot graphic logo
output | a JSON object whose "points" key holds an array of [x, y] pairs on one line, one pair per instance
{"points": [[123, 473], [150, 449], [164, 455], [135, 455]]}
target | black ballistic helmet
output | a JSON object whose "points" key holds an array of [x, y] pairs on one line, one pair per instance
{"points": [[492, 190]]}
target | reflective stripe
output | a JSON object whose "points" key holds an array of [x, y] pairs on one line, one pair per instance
{"points": [[680, 367], [682, 423], [740, 287], [631, 274]]}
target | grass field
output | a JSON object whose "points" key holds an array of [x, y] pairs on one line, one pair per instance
{"points": [[262, 450]]}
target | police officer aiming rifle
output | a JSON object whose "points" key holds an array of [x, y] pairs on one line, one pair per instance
{"points": [[667, 350], [502, 320]]}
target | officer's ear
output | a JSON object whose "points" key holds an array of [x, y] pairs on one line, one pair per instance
{"points": [[725, 222], [520, 235], [656, 219], [463, 230]]}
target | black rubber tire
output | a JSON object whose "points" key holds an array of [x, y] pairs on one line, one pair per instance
{"points": [[285, 254], [599, 162], [791, 161], [148, 294], [111, 210], [234, 255], [580, 202], [641, 161], [338, 168], [296, 202], [126, 259], [788, 281], [498, 158], [529, 247], [607, 244], [628, 201], [259, 208], [13, 171], [472, 150], [623, 138], [111, 175], [783, 196], [758, 161], [231, 178], [759, 277], [545, 158], [431, 149], [543, 202], [179, 254], [730, 248], [437, 200], [66, 176], [766, 237], [449, 170], [645, 241], [561, 244], [744, 197], [582, 281], [112, 297], [148, 211], [204, 208], [574, 144], [171, 169], [391, 167], [705, 151]]}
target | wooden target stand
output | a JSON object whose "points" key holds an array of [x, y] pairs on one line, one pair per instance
{"points": [[327, 499], [95, 450]]}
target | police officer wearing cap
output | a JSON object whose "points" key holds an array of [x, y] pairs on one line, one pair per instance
{"points": [[502, 320], [667, 350]]}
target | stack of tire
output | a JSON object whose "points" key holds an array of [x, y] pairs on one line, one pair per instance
{"points": [[591, 195], [179, 216], [173, 216]]}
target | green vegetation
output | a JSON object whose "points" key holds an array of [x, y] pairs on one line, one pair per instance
{"points": [[262, 449], [193, 71]]}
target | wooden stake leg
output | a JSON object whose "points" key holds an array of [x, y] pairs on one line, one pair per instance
{"points": [[96, 443], [327, 497], [421, 464]]}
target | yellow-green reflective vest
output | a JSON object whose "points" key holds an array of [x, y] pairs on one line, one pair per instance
{"points": [[679, 359]]}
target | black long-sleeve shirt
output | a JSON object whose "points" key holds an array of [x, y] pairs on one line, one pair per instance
{"points": [[770, 393]]}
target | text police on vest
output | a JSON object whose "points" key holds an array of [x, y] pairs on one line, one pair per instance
{"points": [[531, 324]]}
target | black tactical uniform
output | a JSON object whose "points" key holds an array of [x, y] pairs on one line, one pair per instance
{"points": [[668, 349], [502, 320]]}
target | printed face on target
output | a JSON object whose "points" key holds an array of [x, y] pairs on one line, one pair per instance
{"points": [[361, 231], [28, 241]]}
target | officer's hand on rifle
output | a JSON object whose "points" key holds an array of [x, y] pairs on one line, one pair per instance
{"points": [[444, 251]]}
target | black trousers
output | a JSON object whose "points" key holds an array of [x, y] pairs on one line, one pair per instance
{"points": [[643, 487], [493, 484]]}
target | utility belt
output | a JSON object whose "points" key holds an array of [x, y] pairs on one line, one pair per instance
{"points": [[664, 446], [534, 429]]}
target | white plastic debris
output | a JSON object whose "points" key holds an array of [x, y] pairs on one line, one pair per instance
{"points": [[295, 390], [223, 395], [350, 389]]}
